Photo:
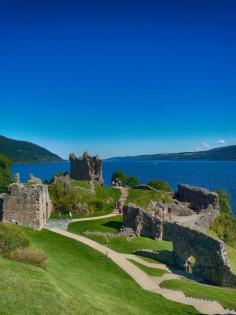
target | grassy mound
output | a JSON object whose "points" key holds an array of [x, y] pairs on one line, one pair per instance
{"points": [[154, 272], [14, 245], [121, 244], [226, 297], [142, 197], [82, 203], [77, 280]]}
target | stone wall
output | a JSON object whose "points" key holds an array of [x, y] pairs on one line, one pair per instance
{"points": [[210, 254], [86, 168], [198, 198], [29, 205]]}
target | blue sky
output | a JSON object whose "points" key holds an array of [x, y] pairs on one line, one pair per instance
{"points": [[118, 77]]}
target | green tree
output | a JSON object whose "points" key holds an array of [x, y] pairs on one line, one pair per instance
{"points": [[126, 180], [119, 175], [160, 185], [5, 173], [131, 181]]}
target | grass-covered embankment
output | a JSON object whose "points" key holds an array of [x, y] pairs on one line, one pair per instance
{"points": [[77, 280], [154, 272], [142, 197], [82, 203], [225, 296], [121, 244]]}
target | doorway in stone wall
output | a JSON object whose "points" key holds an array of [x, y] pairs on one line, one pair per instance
{"points": [[190, 264]]}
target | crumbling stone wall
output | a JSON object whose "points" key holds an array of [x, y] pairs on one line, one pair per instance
{"points": [[29, 205], [86, 168], [211, 258], [198, 198]]}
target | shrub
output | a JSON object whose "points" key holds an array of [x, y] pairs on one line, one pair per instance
{"points": [[63, 198], [225, 199], [160, 185], [126, 180], [225, 224], [11, 238], [5, 173], [29, 256]]}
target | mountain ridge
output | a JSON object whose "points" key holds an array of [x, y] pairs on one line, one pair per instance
{"points": [[226, 153], [26, 152]]}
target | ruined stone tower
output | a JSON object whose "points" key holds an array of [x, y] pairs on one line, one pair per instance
{"points": [[29, 205], [86, 168]]}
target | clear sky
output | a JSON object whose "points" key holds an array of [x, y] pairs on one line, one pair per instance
{"points": [[118, 77]]}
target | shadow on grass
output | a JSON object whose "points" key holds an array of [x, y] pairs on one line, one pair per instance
{"points": [[114, 225]]}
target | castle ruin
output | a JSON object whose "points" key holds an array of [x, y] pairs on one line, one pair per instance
{"points": [[26, 204], [86, 168], [188, 232]]}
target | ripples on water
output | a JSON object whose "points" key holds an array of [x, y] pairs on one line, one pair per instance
{"points": [[211, 175]]}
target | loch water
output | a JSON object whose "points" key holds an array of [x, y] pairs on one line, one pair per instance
{"points": [[209, 174]]}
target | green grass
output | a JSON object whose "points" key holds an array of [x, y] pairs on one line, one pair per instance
{"points": [[77, 280], [232, 258], [120, 244], [80, 183], [226, 297], [142, 197], [154, 272]]}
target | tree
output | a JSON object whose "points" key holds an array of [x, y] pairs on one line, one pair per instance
{"points": [[119, 175], [5, 173], [131, 181], [126, 180], [160, 185]]}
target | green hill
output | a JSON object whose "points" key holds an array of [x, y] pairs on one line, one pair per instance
{"points": [[77, 280], [26, 152], [227, 153]]}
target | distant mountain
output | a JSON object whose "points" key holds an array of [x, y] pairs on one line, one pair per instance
{"points": [[227, 153], [26, 152]]}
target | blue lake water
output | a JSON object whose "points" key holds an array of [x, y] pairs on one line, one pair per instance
{"points": [[211, 175]]}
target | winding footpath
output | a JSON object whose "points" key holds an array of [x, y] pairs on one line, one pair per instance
{"points": [[145, 281]]}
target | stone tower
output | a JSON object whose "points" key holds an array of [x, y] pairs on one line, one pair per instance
{"points": [[86, 167]]}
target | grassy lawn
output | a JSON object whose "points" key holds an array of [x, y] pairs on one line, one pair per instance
{"points": [[77, 280], [155, 272], [225, 296], [120, 244], [142, 197], [80, 183]]}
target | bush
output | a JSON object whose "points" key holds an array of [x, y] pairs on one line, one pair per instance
{"points": [[225, 202], [29, 256], [126, 180], [63, 198], [160, 185], [5, 173], [225, 224], [11, 238]]}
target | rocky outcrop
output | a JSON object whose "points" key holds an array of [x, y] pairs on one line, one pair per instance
{"points": [[86, 168], [211, 261], [198, 198], [29, 205]]}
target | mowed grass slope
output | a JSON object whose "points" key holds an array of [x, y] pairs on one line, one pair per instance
{"points": [[225, 296], [121, 244], [77, 280]]}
